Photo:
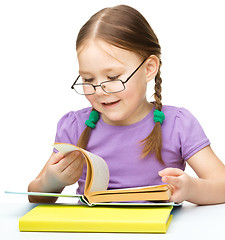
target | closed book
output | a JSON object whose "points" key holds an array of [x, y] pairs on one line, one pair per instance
{"points": [[81, 218]]}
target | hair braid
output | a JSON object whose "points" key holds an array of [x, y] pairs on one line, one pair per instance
{"points": [[158, 89], [84, 137], [153, 142]]}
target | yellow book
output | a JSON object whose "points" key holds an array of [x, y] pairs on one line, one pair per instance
{"points": [[80, 218]]}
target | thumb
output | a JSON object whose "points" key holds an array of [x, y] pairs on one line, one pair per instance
{"points": [[171, 180]]}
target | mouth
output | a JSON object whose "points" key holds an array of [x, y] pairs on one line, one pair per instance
{"points": [[109, 104]]}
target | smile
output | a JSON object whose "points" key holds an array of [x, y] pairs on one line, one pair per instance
{"points": [[110, 103]]}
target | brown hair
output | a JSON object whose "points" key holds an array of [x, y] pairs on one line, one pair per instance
{"points": [[124, 27]]}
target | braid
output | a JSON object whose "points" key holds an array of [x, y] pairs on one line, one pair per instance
{"points": [[84, 137], [158, 89], [153, 142]]}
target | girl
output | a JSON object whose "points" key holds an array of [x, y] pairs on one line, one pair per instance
{"points": [[143, 143]]}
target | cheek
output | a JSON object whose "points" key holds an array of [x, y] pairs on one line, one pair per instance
{"points": [[94, 103], [128, 94], [136, 90], [90, 99]]}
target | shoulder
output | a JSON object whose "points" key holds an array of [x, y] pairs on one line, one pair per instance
{"points": [[180, 120], [184, 131], [71, 125], [75, 116], [172, 112]]}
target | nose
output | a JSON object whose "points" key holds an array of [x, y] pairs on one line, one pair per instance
{"points": [[100, 91]]}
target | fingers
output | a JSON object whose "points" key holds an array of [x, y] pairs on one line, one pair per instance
{"points": [[71, 167], [73, 171], [179, 181], [171, 176], [174, 181], [56, 157], [73, 158], [171, 172]]}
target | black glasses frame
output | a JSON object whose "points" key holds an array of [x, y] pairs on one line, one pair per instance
{"points": [[100, 85]]}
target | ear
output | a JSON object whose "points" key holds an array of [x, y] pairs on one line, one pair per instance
{"points": [[152, 67]]}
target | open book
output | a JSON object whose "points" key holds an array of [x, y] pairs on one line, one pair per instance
{"points": [[97, 180]]}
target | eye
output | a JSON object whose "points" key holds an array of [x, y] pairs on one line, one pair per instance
{"points": [[114, 77], [87, 80]]}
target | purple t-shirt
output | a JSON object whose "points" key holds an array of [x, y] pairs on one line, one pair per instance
{"points": [[119, 146]]}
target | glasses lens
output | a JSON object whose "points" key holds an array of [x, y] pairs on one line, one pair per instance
{"points": [[113, 86], [84, 89]]}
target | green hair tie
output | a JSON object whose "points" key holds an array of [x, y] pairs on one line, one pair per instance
{"points": [[159, 116], [93, 119]]}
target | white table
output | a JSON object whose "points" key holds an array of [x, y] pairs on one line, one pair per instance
{"points": [[189, 222]]}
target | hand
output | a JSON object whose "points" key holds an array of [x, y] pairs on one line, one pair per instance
{"points": [[179, 181], [62, 171]]}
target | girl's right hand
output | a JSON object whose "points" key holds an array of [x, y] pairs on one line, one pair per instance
{"points": [[61, 171]]}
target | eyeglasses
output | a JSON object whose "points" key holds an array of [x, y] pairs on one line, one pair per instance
{"points": [[112, 86]]}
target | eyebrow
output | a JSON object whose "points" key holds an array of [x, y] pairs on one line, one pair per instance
{"points": [[104, 70]]}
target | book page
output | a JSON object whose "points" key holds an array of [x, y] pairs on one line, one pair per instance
{"points": [[155, 188], [100, 173], [98, 178], [146, 204]]}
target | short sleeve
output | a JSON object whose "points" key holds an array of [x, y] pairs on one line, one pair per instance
{"points": [[191, 135], [67, 129]]}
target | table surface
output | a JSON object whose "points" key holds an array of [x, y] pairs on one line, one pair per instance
{"points": [[189, 222]]}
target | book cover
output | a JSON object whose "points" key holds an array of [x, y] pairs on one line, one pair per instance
{"points": [[81, 218]]}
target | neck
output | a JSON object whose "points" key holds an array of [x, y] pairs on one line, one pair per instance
{"points": [[140, 113]]}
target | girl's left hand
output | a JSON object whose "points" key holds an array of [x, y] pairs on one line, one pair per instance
{"points": [[179, 181]]}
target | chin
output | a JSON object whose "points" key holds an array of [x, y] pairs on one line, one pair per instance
{"points": [[114, 120]]}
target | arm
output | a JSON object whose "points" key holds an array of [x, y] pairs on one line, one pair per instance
{"points": [[57, 173], [209, 188]]}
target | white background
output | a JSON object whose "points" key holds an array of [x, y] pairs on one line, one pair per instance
{"points": [[38, 65]]}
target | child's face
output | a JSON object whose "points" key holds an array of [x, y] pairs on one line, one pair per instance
{"points": [[100, 61]]}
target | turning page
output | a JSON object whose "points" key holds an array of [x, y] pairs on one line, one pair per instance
{"points": [[97, 178]]}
